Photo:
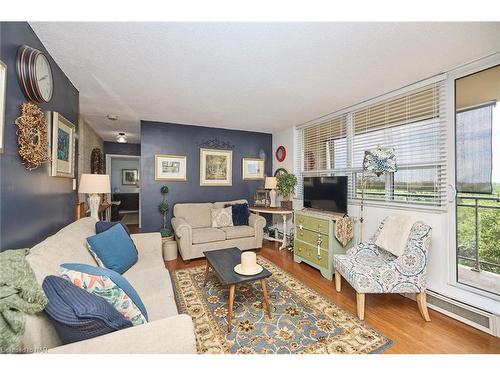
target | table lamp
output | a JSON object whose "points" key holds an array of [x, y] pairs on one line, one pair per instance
{"points": [[379, 160], [271, 185], [94, 184]]}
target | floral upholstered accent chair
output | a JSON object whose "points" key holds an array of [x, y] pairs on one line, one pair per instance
{"points": [[370, 269]]}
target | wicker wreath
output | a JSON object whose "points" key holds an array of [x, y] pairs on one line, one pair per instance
{"points": [[32, 136]]}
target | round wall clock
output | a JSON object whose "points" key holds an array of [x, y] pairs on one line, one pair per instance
{"points": [[281, 153], [35, 74]]}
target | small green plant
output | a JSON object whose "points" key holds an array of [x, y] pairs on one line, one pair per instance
{"points": [[286, 184], [163, 207]]}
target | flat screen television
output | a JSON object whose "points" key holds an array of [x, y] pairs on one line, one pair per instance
{"points": [[326, 193]]}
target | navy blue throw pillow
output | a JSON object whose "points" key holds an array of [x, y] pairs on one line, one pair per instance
{"points": [[77, 314], [240, 213], [102, 226]]}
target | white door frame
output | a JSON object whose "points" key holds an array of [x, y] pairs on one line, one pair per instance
{"points": [[109, 158], [463, 71]]}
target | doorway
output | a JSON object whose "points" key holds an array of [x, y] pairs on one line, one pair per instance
{"points": [[124, 174]]}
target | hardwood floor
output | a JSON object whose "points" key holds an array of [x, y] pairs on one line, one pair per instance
{"points": [[394, 315]]}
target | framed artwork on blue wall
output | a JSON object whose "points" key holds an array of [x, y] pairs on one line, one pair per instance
{"points": [[63, 146], [216, 167], [253, 169], [170, 168], [3, 94]]}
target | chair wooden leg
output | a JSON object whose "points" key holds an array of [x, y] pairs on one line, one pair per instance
{"points": [[422, 306], [360, 302], [338, 281]]}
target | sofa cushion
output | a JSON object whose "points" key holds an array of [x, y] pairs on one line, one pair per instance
{"points": [[240, 213], [204, 235], [77, 314], [239, 231], [222, 217], [111, 286], [196, 214], [115, 249]]}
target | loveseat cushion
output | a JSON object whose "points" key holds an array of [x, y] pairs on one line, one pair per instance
{"points": [[204, 235], [240, 213], [115, 249], [111, 286], [77, 314], [197, 215], [240, 231]]}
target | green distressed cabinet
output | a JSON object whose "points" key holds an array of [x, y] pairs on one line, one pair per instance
{"points": [[315, 242]]}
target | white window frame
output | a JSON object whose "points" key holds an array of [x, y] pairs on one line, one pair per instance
{"points": [[458, 73]]}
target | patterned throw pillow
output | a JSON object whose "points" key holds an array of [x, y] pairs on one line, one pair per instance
{"points": [[111, 286], [222, 217]]}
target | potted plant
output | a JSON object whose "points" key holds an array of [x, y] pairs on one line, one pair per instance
{"points": [[286, 186], [168, 243]]}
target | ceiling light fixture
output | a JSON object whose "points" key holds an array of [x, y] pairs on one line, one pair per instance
{"points": [[121, 138], [112, 117]]}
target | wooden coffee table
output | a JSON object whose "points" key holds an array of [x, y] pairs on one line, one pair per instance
{"points": [[222, 263]]}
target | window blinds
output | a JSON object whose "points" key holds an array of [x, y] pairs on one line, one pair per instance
{"points": [[413, 123]]}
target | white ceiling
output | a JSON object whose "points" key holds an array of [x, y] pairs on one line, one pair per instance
{"points": [[252, 76]]}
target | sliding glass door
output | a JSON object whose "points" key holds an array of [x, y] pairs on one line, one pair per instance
{"points": [[477, 162]]}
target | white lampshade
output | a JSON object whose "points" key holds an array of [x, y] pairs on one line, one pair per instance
{"points": [[94, 184], [270, 183]]}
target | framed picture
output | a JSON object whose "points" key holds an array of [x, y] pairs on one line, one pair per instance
{"points": [[130, 176], [170, 168], [3, 94], [216, 167], [253, 169], [63, 146]]}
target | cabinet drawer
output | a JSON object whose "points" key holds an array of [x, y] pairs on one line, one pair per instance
{"points": [[311, 253], [312, 223], [311, 237]]}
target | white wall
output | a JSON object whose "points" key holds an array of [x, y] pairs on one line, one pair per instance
{"points": [[116, 174]]}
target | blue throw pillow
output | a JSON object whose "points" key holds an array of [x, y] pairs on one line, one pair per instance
{"points": [[114, 248], [77, 314], [103, 226], [111, 286], [240, 213]]}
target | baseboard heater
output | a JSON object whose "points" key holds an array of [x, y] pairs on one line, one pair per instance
{"points": [[477, 318]]}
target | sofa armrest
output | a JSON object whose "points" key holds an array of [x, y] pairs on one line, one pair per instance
{"points": [[184, 235], [147, 242], [256, 221], [181, 227], [172, 335]]}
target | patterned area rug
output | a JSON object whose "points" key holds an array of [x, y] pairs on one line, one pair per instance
{"points": [[302, 320]]}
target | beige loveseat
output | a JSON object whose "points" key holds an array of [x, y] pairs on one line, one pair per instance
{"points": [[166, 331], [192, 224]]}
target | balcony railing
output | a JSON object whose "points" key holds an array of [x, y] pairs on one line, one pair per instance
{"points": [[478, 203]]}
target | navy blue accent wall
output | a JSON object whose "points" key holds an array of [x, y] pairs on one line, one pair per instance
{"points": [[33, 205], [177, 139], [122, 148]]}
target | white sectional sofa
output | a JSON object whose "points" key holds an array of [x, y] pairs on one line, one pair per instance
{"points": [[166, 331]]}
